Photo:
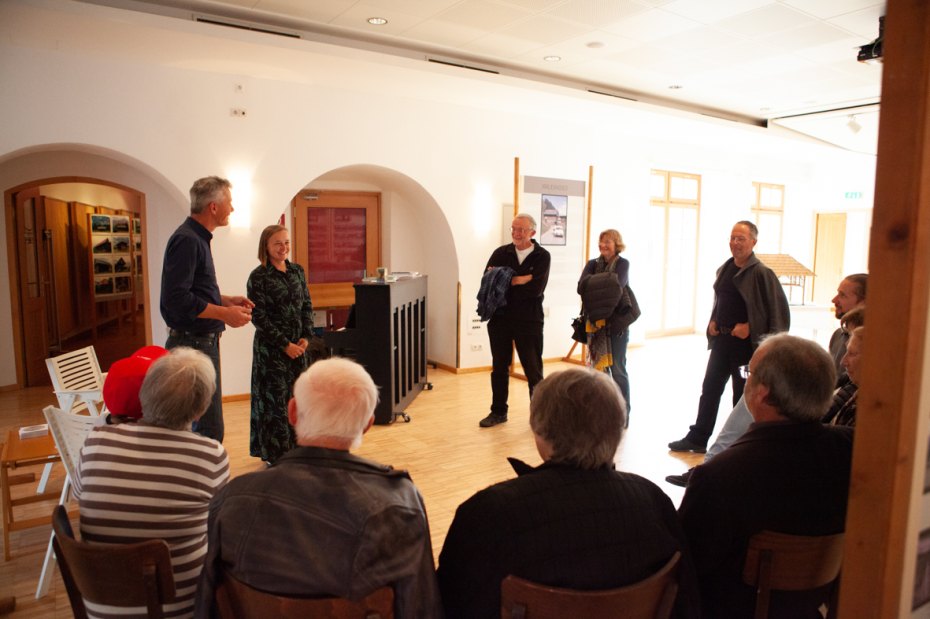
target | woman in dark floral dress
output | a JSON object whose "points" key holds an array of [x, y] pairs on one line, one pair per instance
{"points": [[283, 319]]}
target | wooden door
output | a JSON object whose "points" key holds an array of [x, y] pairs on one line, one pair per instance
{"points": [[32, 249], [337, 240], [829, 252]]}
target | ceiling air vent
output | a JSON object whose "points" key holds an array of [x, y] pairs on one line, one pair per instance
{"points": [[462, 66], [245, 26]]}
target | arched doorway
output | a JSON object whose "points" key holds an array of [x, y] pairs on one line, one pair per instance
{"points": [[76, 265]]}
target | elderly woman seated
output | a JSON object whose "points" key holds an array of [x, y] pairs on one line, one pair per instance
{"points": [[154, 479], [573, 522]]}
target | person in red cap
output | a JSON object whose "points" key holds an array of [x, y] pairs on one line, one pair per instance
{"points": [[123, 382]]}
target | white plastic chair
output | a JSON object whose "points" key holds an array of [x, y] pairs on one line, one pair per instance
{"points": [[70, 432], [78, 381]]}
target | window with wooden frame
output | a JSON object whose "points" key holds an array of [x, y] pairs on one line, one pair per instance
{"points": [[337, 240], [768, 211], [675, 202]]}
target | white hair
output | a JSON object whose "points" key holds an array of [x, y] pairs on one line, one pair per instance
{"points": [[335, 399]]}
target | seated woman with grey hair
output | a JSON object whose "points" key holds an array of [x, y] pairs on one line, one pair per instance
{"points": [[154, 479], [572, 522]]}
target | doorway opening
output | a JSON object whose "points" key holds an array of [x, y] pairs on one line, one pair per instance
{"points": [[77, 271]]}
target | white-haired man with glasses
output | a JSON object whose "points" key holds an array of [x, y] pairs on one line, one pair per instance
{"points": [[518, 322]]}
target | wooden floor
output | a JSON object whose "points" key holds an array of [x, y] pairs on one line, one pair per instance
{"points": [[448, 456]]}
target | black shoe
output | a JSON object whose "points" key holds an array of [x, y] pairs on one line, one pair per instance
{"points": [[492, 420], [680, 480], [687, 445]]}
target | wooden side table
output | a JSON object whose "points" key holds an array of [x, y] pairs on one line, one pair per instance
{"points": [[16, 453]]}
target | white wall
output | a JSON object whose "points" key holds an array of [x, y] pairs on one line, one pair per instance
{"points": [[144, 101]]}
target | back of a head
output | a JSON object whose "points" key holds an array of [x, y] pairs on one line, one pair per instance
{"points": [[580, 413], [799, 374], [335, 400], [853, 318], [177, 389], [860, 281]]}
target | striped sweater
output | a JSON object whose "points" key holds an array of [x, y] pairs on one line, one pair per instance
{"points": [[137, 482]]}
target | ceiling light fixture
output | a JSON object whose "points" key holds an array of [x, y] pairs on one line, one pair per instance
{"points": [[377, 21], [552, 58], [853, 124]]}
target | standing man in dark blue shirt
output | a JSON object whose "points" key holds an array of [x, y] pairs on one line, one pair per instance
{"points": [[191, 303], [520, 321]]}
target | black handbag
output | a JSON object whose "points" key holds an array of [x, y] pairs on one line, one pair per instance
{"points": [[579, 333]]}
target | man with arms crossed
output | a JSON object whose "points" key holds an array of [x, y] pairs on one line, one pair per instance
{"points": [[520, 322], [191, 304]]}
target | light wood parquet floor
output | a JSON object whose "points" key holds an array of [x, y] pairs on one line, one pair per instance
{"points": [[448, 456]]}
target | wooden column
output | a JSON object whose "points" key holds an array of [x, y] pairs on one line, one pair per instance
{"points": [[891, 433]]}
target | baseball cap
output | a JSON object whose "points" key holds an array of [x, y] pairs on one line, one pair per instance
{"points": [[124, 380]]}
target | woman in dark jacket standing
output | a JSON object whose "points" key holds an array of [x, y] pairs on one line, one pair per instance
{"points": [[613, 329]]}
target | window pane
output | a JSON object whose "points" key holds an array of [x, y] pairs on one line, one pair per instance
{"points": [[684, 188], [770, 197], [336, 237], [657, 186], [680, 282]]}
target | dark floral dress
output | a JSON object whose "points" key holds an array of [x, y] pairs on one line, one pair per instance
{"points": [[283, 314]]}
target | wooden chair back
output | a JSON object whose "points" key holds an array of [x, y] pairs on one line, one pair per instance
{"points": [[112, 574], [782, 562], [651, 598], [237, 600]]}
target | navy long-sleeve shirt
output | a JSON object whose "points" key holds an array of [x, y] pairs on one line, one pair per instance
{"points": [[188, 280]]}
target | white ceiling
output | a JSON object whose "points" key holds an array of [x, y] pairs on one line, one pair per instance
{"points": [[763, 61]]}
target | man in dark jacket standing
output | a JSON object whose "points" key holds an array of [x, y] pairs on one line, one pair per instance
{"points": [[749, 303], [520, 321]]}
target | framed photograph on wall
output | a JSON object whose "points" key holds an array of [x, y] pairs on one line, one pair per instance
{"points": [[100, 224], [120, 224], [553, 219]]}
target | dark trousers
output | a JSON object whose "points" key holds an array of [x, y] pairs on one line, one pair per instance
{"points": [[503, 334], [211, 424], [726, 356], [618, 345]]}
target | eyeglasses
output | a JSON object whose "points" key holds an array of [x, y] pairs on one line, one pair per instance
{"points": [[744, 371], [513, 229]]}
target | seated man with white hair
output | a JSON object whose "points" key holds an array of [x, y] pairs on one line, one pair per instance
{"points": [[321, 521], [154, 479]]}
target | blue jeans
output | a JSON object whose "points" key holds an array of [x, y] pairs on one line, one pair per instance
{"points": [[618, 345], [211, 424]]}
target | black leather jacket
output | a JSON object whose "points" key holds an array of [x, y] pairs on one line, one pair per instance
{"points": [[323, 522]]}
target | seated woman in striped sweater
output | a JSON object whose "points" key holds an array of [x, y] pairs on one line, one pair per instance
{"points": [[155, 478]]}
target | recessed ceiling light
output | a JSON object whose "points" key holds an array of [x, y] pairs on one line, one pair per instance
{"points": [[594, 45], [552, 58], [675, 87], [377, 21]]}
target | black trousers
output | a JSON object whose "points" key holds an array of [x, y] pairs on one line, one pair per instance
{"points": [[503, 334], [726, 356], [211, 424]]}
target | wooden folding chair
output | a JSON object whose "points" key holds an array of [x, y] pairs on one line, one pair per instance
{"points": [[782, 562], [237, 600], [651, 598], [128, 575]]}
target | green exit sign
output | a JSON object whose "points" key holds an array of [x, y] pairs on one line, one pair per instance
{"points": [[853, 195]]}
